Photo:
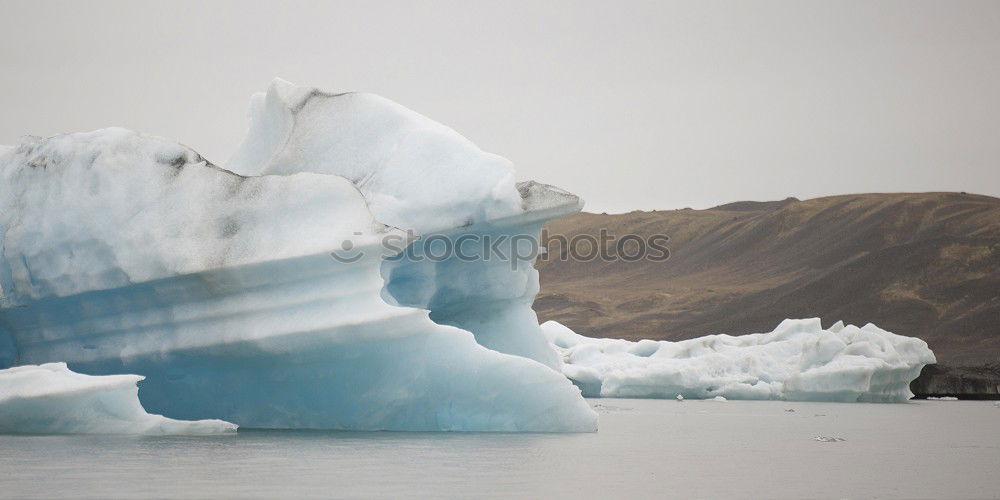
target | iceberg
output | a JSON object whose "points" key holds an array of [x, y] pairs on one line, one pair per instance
{"points": [[124, 253], [51, 399], [798, 361]]}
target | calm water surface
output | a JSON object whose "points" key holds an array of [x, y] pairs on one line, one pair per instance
{"points": [[645, 448]]}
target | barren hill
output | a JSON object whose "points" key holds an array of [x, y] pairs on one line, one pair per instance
{"points": [[925, 265]]}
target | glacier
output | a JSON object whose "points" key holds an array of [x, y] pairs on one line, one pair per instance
{"points": [[124, 253], [798, 361], [51, 399]]}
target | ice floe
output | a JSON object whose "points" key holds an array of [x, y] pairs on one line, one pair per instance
{"points": [[799, 360], [51, 399]]}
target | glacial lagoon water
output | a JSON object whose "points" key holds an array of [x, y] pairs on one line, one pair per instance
{"points": [[645, 449]]}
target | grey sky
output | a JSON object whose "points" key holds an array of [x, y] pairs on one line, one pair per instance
{"points": [[630, 105]]}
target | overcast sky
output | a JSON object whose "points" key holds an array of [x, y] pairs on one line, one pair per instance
{"points": [[651, 105]]}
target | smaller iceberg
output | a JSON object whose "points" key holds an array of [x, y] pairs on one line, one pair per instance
{"points": [[51, 399], [798, 361]]}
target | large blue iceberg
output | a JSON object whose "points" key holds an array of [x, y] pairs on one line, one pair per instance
{"points": [[125, 253]]}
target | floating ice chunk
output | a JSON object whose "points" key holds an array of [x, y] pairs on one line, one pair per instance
{"points": [[51, 399], [829, 439], [603, 408], [799, 360], [942, 398]]}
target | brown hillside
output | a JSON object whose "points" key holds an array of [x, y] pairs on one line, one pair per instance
{"points": [[926, 265]]}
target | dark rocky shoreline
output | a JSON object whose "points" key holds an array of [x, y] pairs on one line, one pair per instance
{"points": [[964, 382]]}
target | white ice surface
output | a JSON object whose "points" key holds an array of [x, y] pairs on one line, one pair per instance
{"points": [[51, 399], [113, 207], [799, 361], [415, 173]]}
